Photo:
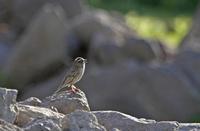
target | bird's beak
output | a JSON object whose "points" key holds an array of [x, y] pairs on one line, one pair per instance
{"points": [[85, 60]]}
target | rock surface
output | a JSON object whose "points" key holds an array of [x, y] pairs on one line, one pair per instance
{"points": [[42, 125], [33, 116], [116, 120], [67, 102], [81, 121], [91, 22], [188, 62], [32, 101], [27, 113], [41, 49], [6, 126], [8, 110], [130, 88], [24, 11]]}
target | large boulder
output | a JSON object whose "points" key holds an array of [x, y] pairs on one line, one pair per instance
{"points": [[24, 11], [111, 47], [110, 39], [158, 92], [106, 47], [93, 21], [41, 49], [117, 121], [8, 109]]}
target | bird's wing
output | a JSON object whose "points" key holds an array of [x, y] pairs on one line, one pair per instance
{"points": [[68, 79]]}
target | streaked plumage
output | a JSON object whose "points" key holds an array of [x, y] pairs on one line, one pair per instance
{"points": [[74, 74]]}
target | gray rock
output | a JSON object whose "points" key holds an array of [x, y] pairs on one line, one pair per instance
{"points": [[189, 127], [188, 62], [140, 49], [113, 119], [34, 118], [27, 113], [42, 125], [24, 11], [32, 101], [111, 40], [81, 121], [157, 92], [8, 110], [6, 126], [110, 47], [106, 47], [91, 22], [40, 49], [66, 102]]}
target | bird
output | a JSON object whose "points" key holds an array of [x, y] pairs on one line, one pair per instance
{"points": [[73, 75]]}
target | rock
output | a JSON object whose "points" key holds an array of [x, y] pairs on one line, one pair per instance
{"points": [[189, 127], [109, 47], [32, 101], [28, 113], [156, 92], [41, 50], [24, 11], [35, 118], [67, 102], [42, 125], [140, 49], [8, 109], [111, 40], [91, 22], [188, 62], [112, 120], [6, 126], [81, 121], [106, 48]]}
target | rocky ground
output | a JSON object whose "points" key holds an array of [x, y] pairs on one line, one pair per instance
{"points": [[69, 111], [40, 38]]}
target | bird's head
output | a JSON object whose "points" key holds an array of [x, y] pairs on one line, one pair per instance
{"points": [[80, 61]]}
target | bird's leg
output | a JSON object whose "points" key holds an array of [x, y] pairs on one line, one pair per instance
{"points": [[73, 89]]}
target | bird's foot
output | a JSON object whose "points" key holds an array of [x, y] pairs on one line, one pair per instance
{"points": [[74, 90]]}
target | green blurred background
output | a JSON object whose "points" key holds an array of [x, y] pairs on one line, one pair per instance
{"points": [[164, 20]]}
